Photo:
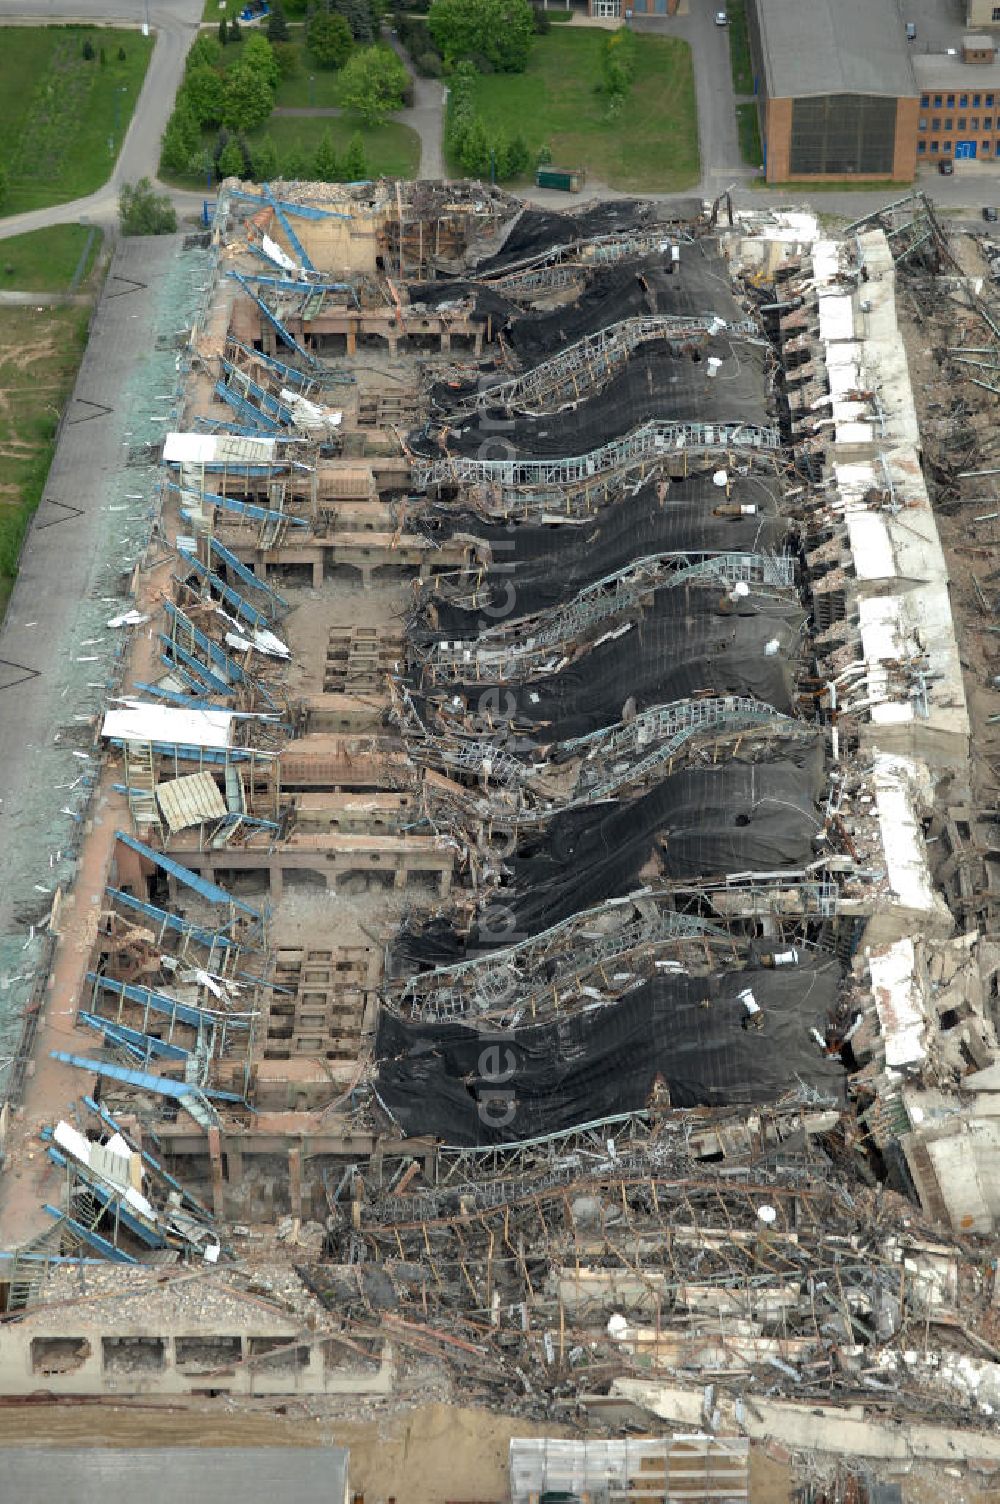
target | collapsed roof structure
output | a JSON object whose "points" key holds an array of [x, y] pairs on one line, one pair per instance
{"points": [[557, 613]]}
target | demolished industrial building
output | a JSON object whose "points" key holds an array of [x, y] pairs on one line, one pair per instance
{"points": [[531, 941]]}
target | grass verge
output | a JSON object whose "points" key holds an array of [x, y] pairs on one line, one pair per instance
{"points": [[39, 356], [739, 48], [652, 145], [47, 260], [749, 131], [64, 117], [843, 185]]}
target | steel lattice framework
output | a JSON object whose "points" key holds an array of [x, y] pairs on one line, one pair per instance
{"points": [[593, 361], [650, 442], [536, 644], [534, 974]]}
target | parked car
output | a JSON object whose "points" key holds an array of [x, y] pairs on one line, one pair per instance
{"points": [[989, 214], [721, 18], [946, 168], [911, 32]]}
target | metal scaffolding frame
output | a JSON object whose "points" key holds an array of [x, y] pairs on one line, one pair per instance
{"points": [[593, 361], [536, 644], [597, 250], [545, 973], [652, 441]]}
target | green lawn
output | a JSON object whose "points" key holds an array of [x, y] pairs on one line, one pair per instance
{"points": [[39, 356], [47, 260], [63, 118], [323, 92], [749, 128], [739, 48], [392, 150], [651, 146]]}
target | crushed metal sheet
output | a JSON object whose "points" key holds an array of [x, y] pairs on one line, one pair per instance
{"points": [[191, 800]]}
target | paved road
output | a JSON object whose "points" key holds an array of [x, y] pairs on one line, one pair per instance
{"points": [[425, 115], [717, 138], [175, 23]]}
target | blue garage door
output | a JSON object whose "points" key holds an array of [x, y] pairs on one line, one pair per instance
{"points": [[965, 149]]}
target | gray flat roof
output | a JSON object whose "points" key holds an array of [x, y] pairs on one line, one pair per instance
{"points": [[193, 1475], [834, 47], [937, 71]]}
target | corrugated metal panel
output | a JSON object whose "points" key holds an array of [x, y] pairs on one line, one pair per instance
{"points": [[189, 801]]}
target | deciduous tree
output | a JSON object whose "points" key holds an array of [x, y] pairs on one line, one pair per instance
{"points": [[248, 98], [373, 83], [204, 94], [498, 30], [258, 54]]}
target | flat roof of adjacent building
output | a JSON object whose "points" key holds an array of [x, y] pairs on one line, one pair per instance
{"points": [[834, 47], [945, 70], [198, 1475]]}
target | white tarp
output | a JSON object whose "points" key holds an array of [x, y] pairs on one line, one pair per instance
{"points": [[138, 721], [114, 1156], [216, 449], [280, 258]]}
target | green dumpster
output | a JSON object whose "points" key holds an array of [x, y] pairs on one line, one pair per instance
{"points": [[566, 179]]}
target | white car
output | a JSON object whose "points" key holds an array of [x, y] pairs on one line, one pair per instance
{"points": [[721, 19]]}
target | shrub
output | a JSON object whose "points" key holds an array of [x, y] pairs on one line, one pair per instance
{"points": [[540, 21], [617, 68], [296, 164], [180, 139], [205, 52], [230, 164], [429, 65], [288, 59], [264, 160], [88, 50], [355, 162], [143, 212]]}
